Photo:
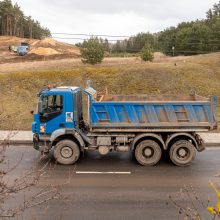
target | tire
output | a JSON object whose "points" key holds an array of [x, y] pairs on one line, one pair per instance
{"points": [[182, 153], [148, 153], [66, 152]]}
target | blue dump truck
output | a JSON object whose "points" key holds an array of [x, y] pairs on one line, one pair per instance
{"points": [[148, 126], [22, 50]]}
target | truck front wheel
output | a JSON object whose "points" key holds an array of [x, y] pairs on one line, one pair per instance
{"points": [[182, 153], [66, 152], [148, 153]]}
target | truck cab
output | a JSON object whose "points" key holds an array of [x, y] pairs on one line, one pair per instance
{"points": [[22, 50], [58, 108]]}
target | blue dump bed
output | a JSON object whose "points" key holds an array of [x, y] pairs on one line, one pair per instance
{"points": [[152, 113]]}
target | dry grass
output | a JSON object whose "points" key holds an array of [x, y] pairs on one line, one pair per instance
{"points": [[19, 83]]}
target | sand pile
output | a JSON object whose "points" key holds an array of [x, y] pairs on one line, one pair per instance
{"points": [[10, 40], [34, 43], [49, 46], [159, 55], [44, 47], [45, 42], [44, 51], [74, 51]]}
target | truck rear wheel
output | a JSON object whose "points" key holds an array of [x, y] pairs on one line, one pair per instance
{"points": [[66, 152], [148, 153], [182, 153]]}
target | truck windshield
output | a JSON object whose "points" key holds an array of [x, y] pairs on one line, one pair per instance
{"points": [[52, 103]]}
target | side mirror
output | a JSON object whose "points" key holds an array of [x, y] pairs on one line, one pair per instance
{"points": [[40, 108]]}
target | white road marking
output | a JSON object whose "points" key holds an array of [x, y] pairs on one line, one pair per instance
{"points": [[97, 172]]}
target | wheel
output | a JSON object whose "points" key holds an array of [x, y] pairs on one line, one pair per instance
{"points": [[182, 153], [148, 152], [66, 152]]}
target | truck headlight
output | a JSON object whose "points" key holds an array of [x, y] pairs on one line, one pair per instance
{"points": [[42, 129]]}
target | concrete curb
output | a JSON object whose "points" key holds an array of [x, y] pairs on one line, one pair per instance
{"points": [[212, 144], [17, 142], [16, 137]]}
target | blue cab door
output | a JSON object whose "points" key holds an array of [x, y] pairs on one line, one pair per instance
{"points": [[57, 112]]}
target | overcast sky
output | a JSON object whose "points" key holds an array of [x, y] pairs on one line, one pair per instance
{"points": [[113, 17]]}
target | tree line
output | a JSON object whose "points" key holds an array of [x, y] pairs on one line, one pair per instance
{"points": [[188, 38], [13, 22], [196, 37]]}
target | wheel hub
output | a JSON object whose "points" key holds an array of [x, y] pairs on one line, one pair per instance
{"points": [[66, 152], [182, 152], [148, 152]]}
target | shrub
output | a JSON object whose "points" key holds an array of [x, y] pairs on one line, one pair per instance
{"points": [[92, 51], [147, 53]]}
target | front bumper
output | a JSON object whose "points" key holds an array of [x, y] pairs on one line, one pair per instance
{"points": [[41, 144], [36, 141]]}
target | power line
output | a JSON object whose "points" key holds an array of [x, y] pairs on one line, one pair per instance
{"points": [[70, 38], [76, 38], [211, 42], [114, 36], [135, 41], [132, 39], [92, 35]]}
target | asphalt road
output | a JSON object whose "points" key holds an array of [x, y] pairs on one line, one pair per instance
{"points": [[116, 187]]}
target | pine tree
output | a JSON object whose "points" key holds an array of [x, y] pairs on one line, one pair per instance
{"points": [[147, 53], [92, 51], [13, 22]]}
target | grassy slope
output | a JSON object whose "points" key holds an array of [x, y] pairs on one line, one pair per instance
{"points": [[18, 89]]}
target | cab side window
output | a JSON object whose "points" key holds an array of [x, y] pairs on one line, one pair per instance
{"points": [[53, 103], [52, 106]]}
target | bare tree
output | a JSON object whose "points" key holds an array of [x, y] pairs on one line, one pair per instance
{"points": [[215, 211], [189, 204], [29, 179]]}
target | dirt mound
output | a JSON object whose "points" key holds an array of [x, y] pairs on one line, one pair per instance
{"points": [[49, 41], [58, 47], [158, 56], [44, 51], [45, 42], [11, 40], [47, 47], [35, 42]]}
